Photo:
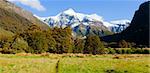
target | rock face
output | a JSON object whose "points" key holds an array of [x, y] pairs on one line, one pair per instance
{"points": [[138, 31]]}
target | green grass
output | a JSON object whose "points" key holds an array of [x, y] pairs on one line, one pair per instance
{"points": [[104, 65], [30, 64], [71, 63]]}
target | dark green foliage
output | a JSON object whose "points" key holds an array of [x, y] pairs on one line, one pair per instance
{"points": [[118, 51], [78, 45], [19, 46], [51, 41], [93, 45], [36, 39], [14, 44], [129, 51], [111, 51], [146, 51], [63, 38]]}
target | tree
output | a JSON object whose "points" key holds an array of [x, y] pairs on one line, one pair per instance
{"points": [[123, 44], [51, 41], [19, 45], [78, 45], [14, 44], [63, 38], [68, 39], [36, 39], [93, 45]]}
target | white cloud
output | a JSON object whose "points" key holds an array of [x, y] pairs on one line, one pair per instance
{"points": [[32, 3]]}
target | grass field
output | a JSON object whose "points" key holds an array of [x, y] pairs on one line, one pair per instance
{"points": [[74, 63]]}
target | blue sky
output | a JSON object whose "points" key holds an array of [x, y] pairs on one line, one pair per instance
{"points": [[108, 9]]}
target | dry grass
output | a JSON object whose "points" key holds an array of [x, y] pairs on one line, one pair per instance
{"points": [[74, 63]]}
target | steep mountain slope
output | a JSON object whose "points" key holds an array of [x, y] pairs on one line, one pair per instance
{"points": [[13, 22], [8, 8], [138, 31]]}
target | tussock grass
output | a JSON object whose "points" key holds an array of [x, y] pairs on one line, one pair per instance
{"points": [[74, 63]]}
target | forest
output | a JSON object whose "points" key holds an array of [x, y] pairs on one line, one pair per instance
{"points": [[60, 40]]}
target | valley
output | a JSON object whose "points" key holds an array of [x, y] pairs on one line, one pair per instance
{"points": [[45, 36]]}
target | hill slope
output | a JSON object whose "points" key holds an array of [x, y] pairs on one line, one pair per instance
{"points": [[16, 19], [138, 31]]}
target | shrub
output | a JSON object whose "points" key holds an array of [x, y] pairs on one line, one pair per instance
{"points": [[103, 51], [129, 51], [118, 51], [123, 44], [111, 51], [146, 51], [19, 46]]}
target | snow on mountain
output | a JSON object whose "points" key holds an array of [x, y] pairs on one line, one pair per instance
{"points": [[119, 25], [71, 18], [123, 21], [70, 11]]}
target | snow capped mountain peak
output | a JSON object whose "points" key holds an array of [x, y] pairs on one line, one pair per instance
{"points": [[81, 16], [119, 25], [96, 17], [71, 18], [70, 11], [123, 21]]}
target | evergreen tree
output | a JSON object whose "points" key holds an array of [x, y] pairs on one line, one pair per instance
{"points": [[93, 45], [51, 41], [36, 39], [63, 38], [78, 45]]}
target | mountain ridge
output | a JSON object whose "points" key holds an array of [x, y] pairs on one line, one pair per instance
{"points": [[81, 18]]}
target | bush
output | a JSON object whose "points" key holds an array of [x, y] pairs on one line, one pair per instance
{"points": [[129, 51], [118, 51], [19, 46], [145, 51], [103, 51], [111, 51], [123, 44]]}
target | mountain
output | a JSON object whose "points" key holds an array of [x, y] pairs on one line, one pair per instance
{"points": [[70, 17], [118, 26], [138, 31], [83, 24], [16, 19]]}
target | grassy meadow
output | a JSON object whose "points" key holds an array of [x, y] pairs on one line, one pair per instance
{"points": [[74, 63]]}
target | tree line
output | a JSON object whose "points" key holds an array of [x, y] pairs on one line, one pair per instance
{"points": [[59, 40]]}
